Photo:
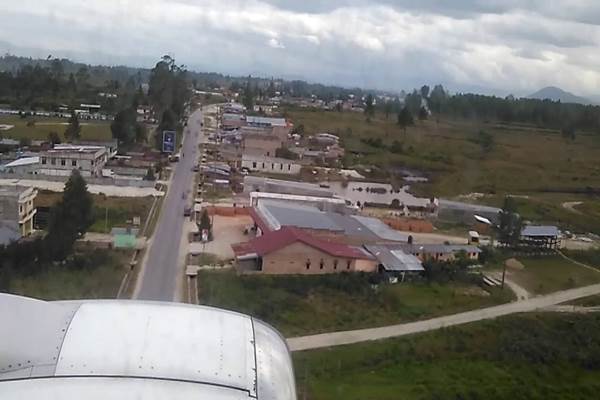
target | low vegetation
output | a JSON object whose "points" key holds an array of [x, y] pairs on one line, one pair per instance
{"points": [[108, 212], [548, 274], [522, 357], [299, 305], [87, 274], [460, 158], [40, 128], [588, 257]]}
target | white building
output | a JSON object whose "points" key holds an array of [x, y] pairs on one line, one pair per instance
{"points": [[270, 165], [62, 159], [17, 208]]}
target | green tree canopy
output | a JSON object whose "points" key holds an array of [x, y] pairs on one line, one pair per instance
{"points": [[509, 228], [405, 118], [70, 217], [369, 106], [73, 130]]}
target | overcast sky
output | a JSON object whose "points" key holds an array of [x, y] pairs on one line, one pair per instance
{"points": [[495, 46]]}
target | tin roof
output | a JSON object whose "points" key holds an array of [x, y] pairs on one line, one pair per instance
{"points": [[275, 240], [395, 260], [540, 230]]}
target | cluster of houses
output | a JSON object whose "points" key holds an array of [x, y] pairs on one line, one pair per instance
{"points": [[93, 159], [267, 145], [303, 228]]}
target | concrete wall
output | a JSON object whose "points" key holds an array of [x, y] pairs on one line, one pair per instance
{"points": [[261, 146], [272, 166], [409, 224], [226, 211], [9, 208], [91, 181], [293, 259]]}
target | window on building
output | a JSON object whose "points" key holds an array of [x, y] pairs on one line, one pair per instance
{"points": [[335, 264], [268, 153], [272, 165], [289, 167], [348, 264], [63, 162], [53, 161], [43, 160], [20, 209], [254, 164], [321, 264], [307, 264], [92, 162], [73, 163], [281, 167], [263, 165]]}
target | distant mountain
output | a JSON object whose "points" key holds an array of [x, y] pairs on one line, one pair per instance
{"points": [[555, 94]]}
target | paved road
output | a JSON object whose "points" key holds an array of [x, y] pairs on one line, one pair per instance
{"points": [[363, 335], [158, 278]]}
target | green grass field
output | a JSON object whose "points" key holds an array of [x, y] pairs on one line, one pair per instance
{"points": [[299, 305], [553, 357], [548, 208], [90, 130], [120, 209], [524, 159], [97, 275], [551, 273]]}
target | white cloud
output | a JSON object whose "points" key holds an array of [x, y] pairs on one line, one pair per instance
{"points": [[276, 44], [501, 45]]}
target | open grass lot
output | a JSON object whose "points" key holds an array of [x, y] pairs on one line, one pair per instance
{"points": [[553, 357], [298, 305], [551, 273], [548, 208], [120, 209], [523, 159], [90, 130], [93, 274]]}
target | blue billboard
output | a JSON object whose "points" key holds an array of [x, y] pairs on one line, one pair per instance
{"points": [[168, 143]]}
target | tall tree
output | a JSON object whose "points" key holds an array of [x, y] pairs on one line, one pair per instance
{"points": [[437, 98], [425, 91], [70, 217], [509, 228], [73, 130], [248, 99], [387, 109], [125, 127], [405, 118], [413, 102], [369, 107]]}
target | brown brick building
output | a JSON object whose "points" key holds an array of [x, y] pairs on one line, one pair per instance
{"points": [[294, 251]]}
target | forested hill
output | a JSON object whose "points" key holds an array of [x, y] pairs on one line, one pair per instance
{"points": [[26, 82]]}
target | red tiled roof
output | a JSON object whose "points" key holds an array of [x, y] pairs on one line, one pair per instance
{"points": [[275, 240]]}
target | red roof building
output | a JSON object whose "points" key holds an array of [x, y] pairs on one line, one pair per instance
{"points": [[294, 251]]}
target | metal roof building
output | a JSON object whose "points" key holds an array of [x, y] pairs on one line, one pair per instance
{"points": [[255, 183], [279, 214], [138, 350], [265, 121], [395, 260], [540, 230], [272, 215]]}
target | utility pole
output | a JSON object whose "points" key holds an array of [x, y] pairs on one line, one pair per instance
{"points": [[105, 216]]}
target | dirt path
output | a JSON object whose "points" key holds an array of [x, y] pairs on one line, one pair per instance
{"points": [[363, 335], [570, 205], [518, 290]]}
